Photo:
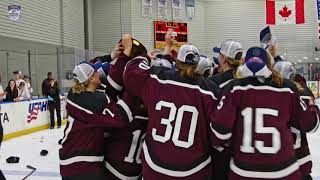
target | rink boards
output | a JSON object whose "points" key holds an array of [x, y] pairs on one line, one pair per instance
{"points": [[20, 118]]}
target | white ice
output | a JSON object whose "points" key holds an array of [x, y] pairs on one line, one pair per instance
{"points": [[28, 149]]}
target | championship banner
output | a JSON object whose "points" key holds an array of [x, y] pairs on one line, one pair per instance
{"points": [[176, 10], [147, 8], [190, 8], [318, 12], [162, 9], [180, 31], [14, 12]]}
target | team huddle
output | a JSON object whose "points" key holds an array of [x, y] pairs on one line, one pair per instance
{"points": [[179, 115]]}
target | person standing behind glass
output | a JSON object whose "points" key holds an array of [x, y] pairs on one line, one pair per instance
{"points": [[17, 77], [46, 84], [27, 79], [11, 91], [23, 92], [54, 103]]}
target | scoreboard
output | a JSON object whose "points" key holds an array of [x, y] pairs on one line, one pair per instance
{"points": [[180, 31]]}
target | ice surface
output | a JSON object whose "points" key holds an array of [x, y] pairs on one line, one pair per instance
{"points": [[28, 149]]}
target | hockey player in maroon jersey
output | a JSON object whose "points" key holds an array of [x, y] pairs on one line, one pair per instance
{"points": [[90, 112], [230, 57], [255, 114], [180, 105], [300, 139], [123, 147]]}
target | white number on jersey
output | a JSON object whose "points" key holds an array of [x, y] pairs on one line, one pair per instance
{"points": [[144, 65], [136, 140], [246, 146], [177, 127], [297, 143], [221, 103]]}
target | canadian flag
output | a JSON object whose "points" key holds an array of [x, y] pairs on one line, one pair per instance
{"points": [[285, 11]]}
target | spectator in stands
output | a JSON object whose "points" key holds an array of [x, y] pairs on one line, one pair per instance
{"points": [[23, 93], [12, 91], [2, 93], [54, 103], [46, 85], [17, 77], [27, 79]]}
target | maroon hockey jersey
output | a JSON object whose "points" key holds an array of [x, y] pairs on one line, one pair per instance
{"points": [[123, 162], [83, 142], [123, 149], [177, 142], [256, 117], [114, 78], [301, 142]]}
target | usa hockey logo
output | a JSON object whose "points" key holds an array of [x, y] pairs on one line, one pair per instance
{"points": [[35, 108], [14, 12]]}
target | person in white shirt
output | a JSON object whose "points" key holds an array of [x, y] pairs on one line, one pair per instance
{"points": [[17, 77], [23, 92], [28, 83]]}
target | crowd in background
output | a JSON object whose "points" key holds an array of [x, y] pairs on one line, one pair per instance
{"points": [[18, 89]]}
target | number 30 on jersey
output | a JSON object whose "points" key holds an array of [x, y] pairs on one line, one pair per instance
{"points": [[175, 131]]}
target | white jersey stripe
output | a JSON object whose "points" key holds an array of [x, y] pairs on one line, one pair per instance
{"points": [[267, 175], [70, 120], [244, 88], [183, 85], [316, 127], [118, 174], [172, 172], [126, 109], [220, 136], [141, 117], [79, 107], [114, 84], [225, 83], [304, 160], [81, 159]]}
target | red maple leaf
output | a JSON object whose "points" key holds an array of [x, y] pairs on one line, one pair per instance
{"points": [[285, 12]]}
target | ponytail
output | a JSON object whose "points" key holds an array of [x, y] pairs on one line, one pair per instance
{"points": [[186, 70], [233, 63], [276, 77], [299, 87], [78, 88]]}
